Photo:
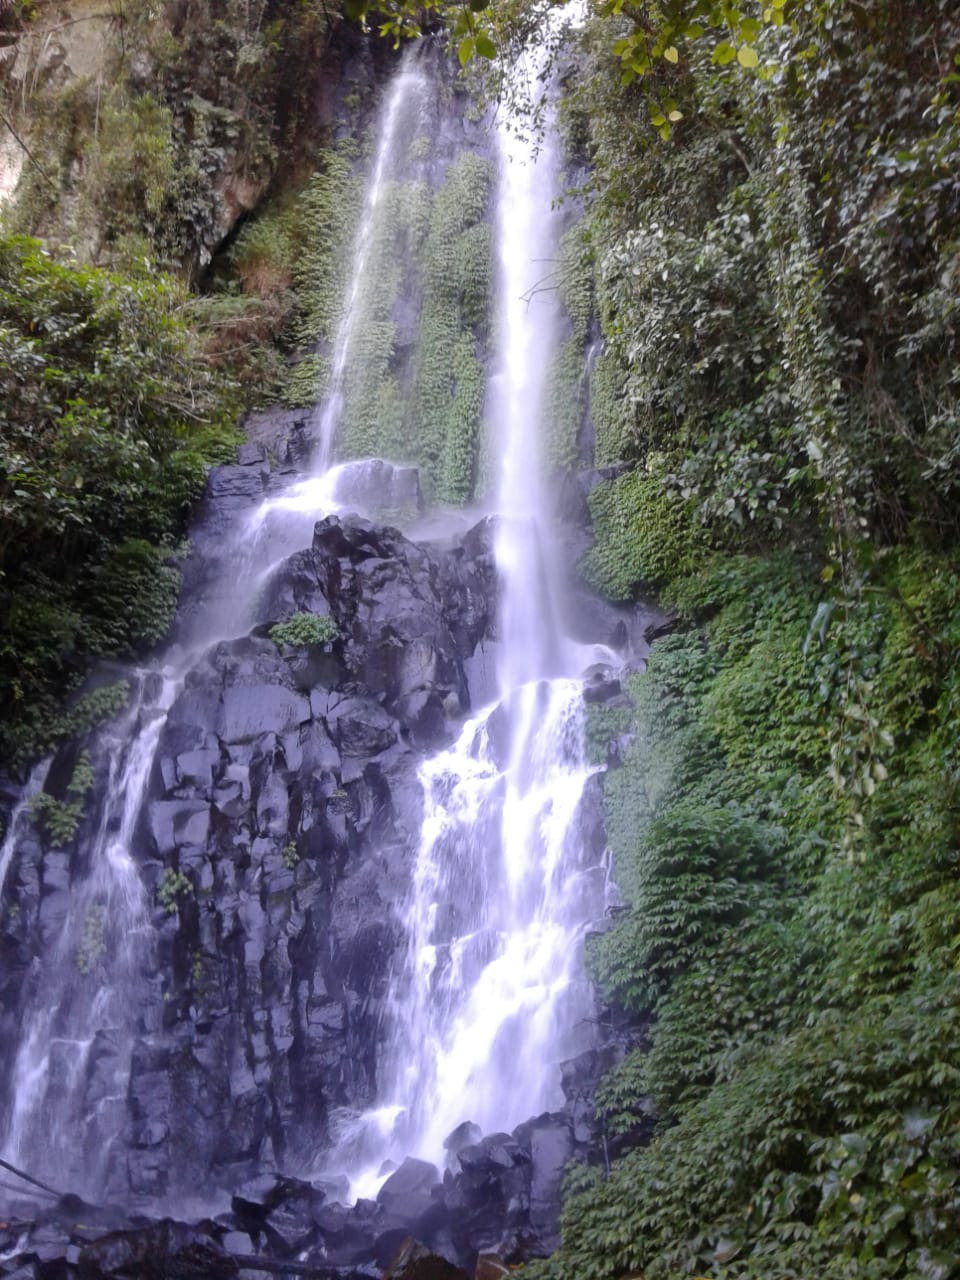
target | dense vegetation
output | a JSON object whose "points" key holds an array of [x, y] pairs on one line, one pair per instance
{"points": [[120, 384], [776, 281], [109, 415]]}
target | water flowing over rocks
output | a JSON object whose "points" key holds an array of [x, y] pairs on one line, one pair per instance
{"points": [[199, 993], [282, 814]]}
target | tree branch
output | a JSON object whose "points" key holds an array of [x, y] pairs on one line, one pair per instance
{"points": [[32, 158], [11, 1168]]}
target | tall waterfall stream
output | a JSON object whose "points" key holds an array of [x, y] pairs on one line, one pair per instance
{"points": [[487, 994]]}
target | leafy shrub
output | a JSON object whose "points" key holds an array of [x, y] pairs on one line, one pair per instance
{"points": [[644, 534], [109, 416], [58, 819], [802, 1058], [305, 629], [173, 884]]}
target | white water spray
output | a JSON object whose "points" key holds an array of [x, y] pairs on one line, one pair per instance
{"points": [[490, 996], [84, 997]]}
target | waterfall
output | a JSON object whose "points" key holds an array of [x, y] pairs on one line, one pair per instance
{"points": [[488, 994], [20, 816], [490, 997], [69, 1080], [66, 1098]]}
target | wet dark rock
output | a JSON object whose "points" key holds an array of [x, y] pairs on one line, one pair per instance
{"points": [[464, 1135], [414, 1177], [657, 628], [250, 711], [600, 684], [551, 1147], [379, 488], [415, 1262], [165, 1250]]}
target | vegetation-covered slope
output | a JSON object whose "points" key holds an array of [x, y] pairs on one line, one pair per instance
{"points": [[141, 133], [778, 287]]}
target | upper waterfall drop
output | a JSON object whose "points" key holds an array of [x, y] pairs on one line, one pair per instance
{"points": [[399, 119], [489, 996]]}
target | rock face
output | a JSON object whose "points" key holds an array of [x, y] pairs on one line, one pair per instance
{"points": [[276, 836], [285, 791]]}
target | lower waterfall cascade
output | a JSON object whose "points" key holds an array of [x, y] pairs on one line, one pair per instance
{"points": [[328, 912]]}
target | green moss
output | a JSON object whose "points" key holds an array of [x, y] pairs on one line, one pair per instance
{"points": [[329, 209], [644, 534], [92, 942], [565, 407], [575, 284], [444, 412], [413, 397]]}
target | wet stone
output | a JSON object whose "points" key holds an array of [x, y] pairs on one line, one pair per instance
{"points": [[249, 711]]}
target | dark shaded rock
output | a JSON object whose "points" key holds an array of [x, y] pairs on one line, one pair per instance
{"points": [[255, 1199], [600, 684], [413, 1261], [165, 1250], [481, 673], [551, 1147], [464, 1135], [249, 711], [412, 1178], [658, 628], [236, 485]]}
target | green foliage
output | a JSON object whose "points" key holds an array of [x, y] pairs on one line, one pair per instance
{"points": [[130, 168], [58, 819], [803, 1057], [330, 208], [183, 112], [305, 629], [644, 533], [565, 405], [173, 884], [290, 855], [109, 417], [434, 251], [131, 598]]}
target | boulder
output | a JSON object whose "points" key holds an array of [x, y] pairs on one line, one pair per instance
{"points": [[165, 1250], [413, 1261]]}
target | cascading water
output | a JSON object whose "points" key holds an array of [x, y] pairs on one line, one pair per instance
{"points": [[20, 816], [490, 996], [67, 1091], [61, 1122]]}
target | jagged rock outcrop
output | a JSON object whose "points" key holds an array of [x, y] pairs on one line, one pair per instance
{"points": [[285, 793], [276, 839]]}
